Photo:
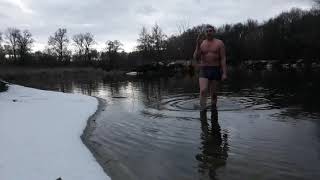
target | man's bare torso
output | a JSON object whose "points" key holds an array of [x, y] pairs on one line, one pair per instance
{"points": [[210, 52]]}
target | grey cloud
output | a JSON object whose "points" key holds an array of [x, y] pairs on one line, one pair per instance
{"points": [[146, 10], [123, 19]]}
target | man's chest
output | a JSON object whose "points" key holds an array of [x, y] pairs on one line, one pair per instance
{"points": [[211, 47]]}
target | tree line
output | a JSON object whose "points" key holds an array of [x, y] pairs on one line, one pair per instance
{"points": [[289, 36], [15, 49]]}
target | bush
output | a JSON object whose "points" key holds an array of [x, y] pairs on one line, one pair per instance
{"points": [[3, 86]]}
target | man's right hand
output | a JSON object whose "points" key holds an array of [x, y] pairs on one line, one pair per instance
{"points": [[199, 40], [197, 54]]}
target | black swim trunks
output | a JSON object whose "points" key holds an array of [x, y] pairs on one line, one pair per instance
{"points": [[210, 72]]}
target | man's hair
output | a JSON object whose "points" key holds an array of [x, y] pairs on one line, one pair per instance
{"points": [[211, 27]]}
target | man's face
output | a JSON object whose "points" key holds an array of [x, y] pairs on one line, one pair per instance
{"points": [[209, 32]]}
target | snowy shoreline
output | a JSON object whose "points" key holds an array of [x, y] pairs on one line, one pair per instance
{"points": [[106, 158], [41, 135]]}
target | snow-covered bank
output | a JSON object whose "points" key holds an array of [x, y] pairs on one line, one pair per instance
{"points": [[40, 136]]}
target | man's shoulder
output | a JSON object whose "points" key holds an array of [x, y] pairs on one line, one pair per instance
{"points": [[219, 41], [203, 42]]}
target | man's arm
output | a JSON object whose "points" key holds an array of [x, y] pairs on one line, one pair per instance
{"points": [[223, 61], [197, 52]]}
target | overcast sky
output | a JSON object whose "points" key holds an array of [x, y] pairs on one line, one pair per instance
{"points": [[123, 19]]}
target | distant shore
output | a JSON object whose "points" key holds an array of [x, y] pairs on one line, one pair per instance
{"points": [[6, 71]]}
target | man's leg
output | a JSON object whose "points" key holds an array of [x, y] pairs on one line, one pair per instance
{"points": [[213, 93], [203, 83]]}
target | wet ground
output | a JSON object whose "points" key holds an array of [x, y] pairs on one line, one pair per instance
{"points": [[267, 126]]}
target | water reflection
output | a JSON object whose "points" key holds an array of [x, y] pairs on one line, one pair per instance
{"points": [[265, 117], [214, 146]]}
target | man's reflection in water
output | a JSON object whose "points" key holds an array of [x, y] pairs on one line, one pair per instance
{"points": [[214, 146]]}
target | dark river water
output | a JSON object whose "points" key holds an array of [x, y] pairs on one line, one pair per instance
{"points": [[268, 125]]}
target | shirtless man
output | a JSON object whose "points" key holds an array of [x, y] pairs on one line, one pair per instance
{"points": [[212, 67]]}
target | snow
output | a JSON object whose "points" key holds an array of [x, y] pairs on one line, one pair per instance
{"points": [[40, 136]]}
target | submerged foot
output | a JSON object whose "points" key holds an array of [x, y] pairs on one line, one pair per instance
{"points": [[203, 114], [203, 107], [214, 114], [213, 107]]}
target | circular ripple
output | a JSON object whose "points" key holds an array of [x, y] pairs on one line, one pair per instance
{"points": [[190, 103]]}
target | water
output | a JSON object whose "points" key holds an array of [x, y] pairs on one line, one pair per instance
{"points": [[268, 126]]}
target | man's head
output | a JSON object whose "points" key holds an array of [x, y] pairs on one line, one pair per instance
{"points": [[210, 31]]}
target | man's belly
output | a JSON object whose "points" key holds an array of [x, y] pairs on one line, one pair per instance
{"points": [[210, 62]]}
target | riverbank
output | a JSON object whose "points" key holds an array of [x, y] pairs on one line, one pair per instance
{"points": [[40, 135]]}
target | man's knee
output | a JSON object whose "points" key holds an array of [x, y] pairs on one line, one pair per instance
{"points": [[203, 92]]}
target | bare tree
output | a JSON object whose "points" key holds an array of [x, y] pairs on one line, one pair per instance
{"points": [[83, 43], [59, 43], [112, 51], [1, 39], [12, 35], [317, 4], [78, 40], [1, 48], [88, 42], [144, 40], [182, 26], [7, 49], [24, 42], [158, 40], [113, 46]]}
